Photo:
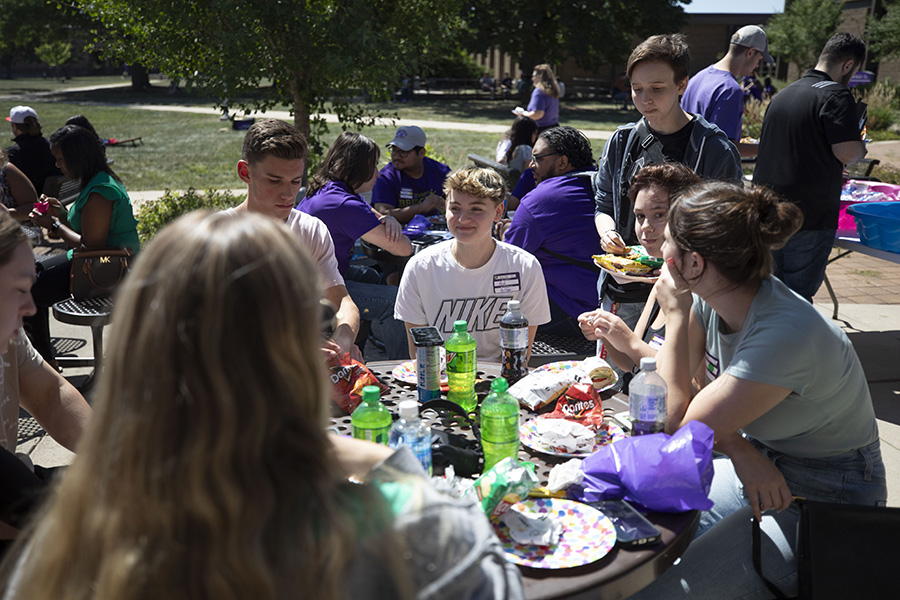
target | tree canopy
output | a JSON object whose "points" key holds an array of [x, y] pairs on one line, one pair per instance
{"points": [[27, 24], [314, 52], [884, 33], [593, 32], [801, 31]]}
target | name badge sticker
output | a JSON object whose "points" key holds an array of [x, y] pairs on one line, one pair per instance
{"points": [[506, 282]]}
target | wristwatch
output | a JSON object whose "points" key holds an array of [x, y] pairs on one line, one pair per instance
{"points": [[56, 225]]}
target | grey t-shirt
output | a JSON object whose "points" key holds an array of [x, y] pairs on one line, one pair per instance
{"points": [[787, 342]]}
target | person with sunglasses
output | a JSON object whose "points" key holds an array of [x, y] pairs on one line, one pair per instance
{"points": [[411, 184], [555, 223], [716, 92]]}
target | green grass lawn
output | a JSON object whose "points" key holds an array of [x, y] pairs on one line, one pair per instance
{"points": [[183, 150]]}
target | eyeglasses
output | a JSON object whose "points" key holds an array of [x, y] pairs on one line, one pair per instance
{"points": [[536, 157], [401, 153]]}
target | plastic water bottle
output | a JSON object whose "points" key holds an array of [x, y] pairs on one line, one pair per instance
{"points": [[499, 424], [461, 367], [371, 420], [412, 432], [647, 399], [513, 343]]}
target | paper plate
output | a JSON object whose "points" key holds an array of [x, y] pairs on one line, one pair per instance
{"points": [[406, 372], [528, 434], [588, 535], [622, 278], [565, 365]]}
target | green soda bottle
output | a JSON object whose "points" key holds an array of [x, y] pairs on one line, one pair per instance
{"points": [[371, 420], [499, 424], [461, 367]]}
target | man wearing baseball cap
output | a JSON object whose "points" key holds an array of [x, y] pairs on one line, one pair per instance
{"points": [[411, 184], [31, 151], [715, 92]]}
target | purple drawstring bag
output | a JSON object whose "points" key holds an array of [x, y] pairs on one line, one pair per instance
{"points": [[660, 472]]}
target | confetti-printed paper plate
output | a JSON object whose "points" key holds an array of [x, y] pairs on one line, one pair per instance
{"points": [[406, 372], [565, 365], [588, 535], [529, 436]]}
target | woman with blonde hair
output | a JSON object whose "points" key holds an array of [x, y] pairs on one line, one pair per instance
{"points": [[208, 472], [543, 106]]}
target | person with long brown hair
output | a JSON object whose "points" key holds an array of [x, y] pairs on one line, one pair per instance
{"points": [[785, 392], [208, 471], [349, 169]]}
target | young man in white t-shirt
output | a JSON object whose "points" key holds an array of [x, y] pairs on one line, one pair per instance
{"points": [[473, 276]]}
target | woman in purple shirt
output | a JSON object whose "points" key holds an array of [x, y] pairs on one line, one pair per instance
{"points": [[350, 168], [543, 106]]}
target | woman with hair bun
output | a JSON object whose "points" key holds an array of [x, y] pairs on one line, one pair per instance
{"points": [[785, 392]]}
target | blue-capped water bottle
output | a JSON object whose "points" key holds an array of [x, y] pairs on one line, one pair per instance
{"points": [[412, 432]]}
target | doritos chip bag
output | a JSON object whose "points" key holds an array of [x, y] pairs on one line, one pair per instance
{"points": [[349, 377], [581, 404]]}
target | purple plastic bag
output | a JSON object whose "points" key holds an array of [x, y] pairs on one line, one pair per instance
{"points": [[660, 472], [416, 227]]}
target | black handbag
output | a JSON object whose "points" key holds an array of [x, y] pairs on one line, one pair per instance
{"points": [[843, 551], [450, 449], [96, 273]]}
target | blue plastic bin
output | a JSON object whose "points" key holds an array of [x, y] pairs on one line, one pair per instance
{"points": [[878, 224]]}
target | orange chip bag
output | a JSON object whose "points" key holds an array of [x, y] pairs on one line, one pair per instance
{"points": [[581, 404], [349, 377]]}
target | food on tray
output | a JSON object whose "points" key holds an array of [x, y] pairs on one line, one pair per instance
{"points": [[635, 261], [580, 404], [599, 371], [543, 387]]}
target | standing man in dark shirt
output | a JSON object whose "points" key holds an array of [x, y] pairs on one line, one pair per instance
{"points": [[811, 130], [31, 151]]}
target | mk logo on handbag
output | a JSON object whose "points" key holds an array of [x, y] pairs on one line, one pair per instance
{"points": [[104, 259]]}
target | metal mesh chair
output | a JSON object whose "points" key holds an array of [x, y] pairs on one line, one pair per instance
{"points": [[95, 313]]}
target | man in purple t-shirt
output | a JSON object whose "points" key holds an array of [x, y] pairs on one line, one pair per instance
{"points": [[411, 184], [715, 94], [554, 222]]}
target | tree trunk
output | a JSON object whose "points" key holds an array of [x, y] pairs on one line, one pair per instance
{"points": [[140, 79], [301, 119]]}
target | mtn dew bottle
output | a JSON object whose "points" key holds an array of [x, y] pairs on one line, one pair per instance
{"points": [[499, 424], [461, 367], [371, 420]]}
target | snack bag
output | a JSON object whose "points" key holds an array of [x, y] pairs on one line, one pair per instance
{"points": [[580, 404], [502, 485], [543, 387], [349, 377]]}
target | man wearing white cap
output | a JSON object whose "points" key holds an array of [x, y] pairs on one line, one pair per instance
{"points": [[411, 184], [31, 151], [715, 93]]}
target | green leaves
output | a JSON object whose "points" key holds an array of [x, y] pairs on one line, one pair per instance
{"points": [[800, 32]]}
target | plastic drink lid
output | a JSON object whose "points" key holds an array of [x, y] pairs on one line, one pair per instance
{"points": [[648, 363], [370, 392], [459, 326], [409, 409], [513, 305], [499, 385]]}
